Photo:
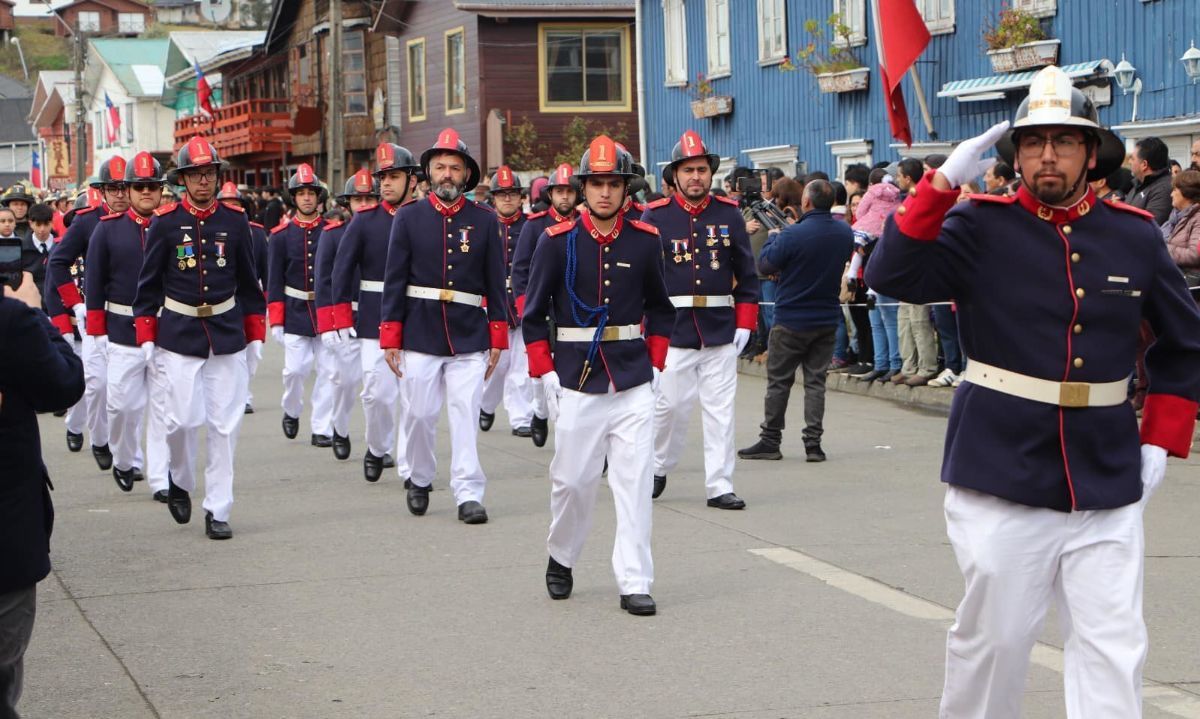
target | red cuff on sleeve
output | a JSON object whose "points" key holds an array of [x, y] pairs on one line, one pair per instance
{"points": [[275, 312], [521, 306], [97, 322], [69, 294], [325, 319], [657, 344], [146, 329], [540, 361], [62, 322], [343, 316], [921, 215], [746, 315], [1168, 422], [255, 327], [390, 335], [499, 334]]}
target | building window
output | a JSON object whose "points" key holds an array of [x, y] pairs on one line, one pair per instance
{"points": [[675, 42], [584, 68], [854, 16], [89, 22], [416, 80], [456, 71], [303, 68], [938, 14], [1037, 8], [354, 73], [718, 38], [772, 31], [131, 22], [850, 152]]}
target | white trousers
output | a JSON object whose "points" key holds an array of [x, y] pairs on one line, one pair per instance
{"points": [[131, 383], [301, 356], [710, 374], [512, 383], [76, 418], [342, 373], [457, 381], [1016, 560], [382, 399], [589, 428], [95, 392], [211, 393], [252, 360]]}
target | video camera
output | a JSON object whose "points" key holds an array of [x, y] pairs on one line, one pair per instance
{"points": [[11, 266], [767, 214]]}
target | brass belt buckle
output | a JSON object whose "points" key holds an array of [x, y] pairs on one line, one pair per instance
{"points": [[204, 310], [446, 295], [1073, 394], [610, 334], [310, 296], [699, 301]]}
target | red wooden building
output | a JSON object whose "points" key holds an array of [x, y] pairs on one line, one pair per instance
{"points": [[104, 17]]}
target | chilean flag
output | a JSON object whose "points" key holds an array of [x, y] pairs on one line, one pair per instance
{"points": [[35, 171], [203, 91], [114, 120], [900, 37]]}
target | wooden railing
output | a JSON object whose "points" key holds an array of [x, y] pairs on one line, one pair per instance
{"points": [[241, 128]]}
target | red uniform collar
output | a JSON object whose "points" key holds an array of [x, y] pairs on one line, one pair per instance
{"points": [[586, 221], [391, 209], [688, 207], [447, 210], [202, 214], [1056, 215], [141, 221], [510, 220], [561, 218], [307, 225]]}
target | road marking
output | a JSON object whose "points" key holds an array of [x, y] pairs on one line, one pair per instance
{"points": [[1161, 696]]}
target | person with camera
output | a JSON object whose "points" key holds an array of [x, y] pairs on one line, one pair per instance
{"points": [[39, 372]]}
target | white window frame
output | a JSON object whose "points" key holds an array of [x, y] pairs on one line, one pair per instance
{"points": [[131, 22], [785, 157], [848, 152], [1037, 8], [938, 15], [88, 21], [717, 20], [675, 43], [854, 14], [772, 44]]}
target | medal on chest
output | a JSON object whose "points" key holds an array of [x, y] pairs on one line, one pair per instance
{"points": [[725, 235], [221, 261], [715, 263], [679, 249], [464, 239], [711, 240]]}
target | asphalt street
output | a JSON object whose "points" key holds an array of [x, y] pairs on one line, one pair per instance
{"points": [[828, 597]]}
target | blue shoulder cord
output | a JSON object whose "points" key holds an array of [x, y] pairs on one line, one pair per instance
{"points": [[578, 305]]}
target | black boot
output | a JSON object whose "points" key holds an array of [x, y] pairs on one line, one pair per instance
{"points": [[486, 419], [341, 446], [813, 453], [372, 467], [291, 426], [761, 450], [418, 498], [103, 457], [539, 430], [558, 580]]}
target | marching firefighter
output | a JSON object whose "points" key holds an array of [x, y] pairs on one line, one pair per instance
{"points": [[230, 195], [199, 272], [444, 260], [77, 416], [713, 284], [600, 279], [632, 209]]}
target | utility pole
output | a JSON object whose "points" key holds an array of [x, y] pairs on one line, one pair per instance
{"points": [[80, 112], [337, 146]]}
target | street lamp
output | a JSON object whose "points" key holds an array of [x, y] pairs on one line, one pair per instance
{"points": [[1191, 63], [1124, 72], [16, 41]]}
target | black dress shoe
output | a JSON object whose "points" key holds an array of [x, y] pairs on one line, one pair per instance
{"points": [[321, 440], [869, 376], [641, 605], [74, 441], [137, 475], [472, 513], [372, 467], [61, 413], [161, 496], [660, 483], [486, 419], [124, 478], [179, 503], [813, 453], [558, 580], [341, 446], [249, 408], [727, 501], [216, 529], [539, 430], [388, 462], [418, 499], [760, 450], [291, 426], [525, 431], [103, 457]]}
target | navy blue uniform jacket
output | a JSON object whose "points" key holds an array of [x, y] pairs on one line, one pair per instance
{"points": [[510, 232], [326, 253], [535, 224], [63, 279], [114, 259], [291, 262], [361, 255]]}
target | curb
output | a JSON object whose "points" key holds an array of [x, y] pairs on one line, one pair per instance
{"points": [[936, 399]]}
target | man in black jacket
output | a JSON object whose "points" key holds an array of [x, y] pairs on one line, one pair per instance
{"points": [[1151, 167], [45, 375]]}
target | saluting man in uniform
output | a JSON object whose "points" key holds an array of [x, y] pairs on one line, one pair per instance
{"points": [[199, 271], [114, 259], [714, 287], [344, 372], [63, 296], [444, 259], [292, 309], [1048, 475], [358, 268], [230, 196], [599, 277], [510, 381]]}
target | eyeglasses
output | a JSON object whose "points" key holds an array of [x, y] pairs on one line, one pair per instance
{"points": [[145, 186], [115, 188], [1064, 145], [210, 174]]}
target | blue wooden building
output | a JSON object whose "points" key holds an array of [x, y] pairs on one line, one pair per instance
{"points": [[779, 118]]}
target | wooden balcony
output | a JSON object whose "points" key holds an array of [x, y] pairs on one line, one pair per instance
{"points": [[241, 128]]}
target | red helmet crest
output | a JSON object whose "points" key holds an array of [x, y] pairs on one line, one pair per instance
{"points": [[143, 165], [229, 191], [199, 151], [447, 140], [562, 175], [384, 156], [116, 167], [504, 177], [602, 155], [94, 197], [363, 182], [692, 145], [305, 174]]}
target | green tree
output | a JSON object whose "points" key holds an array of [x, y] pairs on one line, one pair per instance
{"points": [[522, 151], [579, 133]]}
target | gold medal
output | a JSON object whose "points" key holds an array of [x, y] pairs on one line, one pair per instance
{"points": [[191, 262], [727, 242], [678, 259], [687, 256], [464, 247], [183, 264], [715, 265], [220, 262]]}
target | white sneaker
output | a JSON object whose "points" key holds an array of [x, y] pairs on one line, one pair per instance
{"points": [[945, 379], [957, 381]]}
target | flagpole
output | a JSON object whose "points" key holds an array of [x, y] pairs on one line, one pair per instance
{"points": [[912, 71]]}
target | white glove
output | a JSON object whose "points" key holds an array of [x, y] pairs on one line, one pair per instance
{"points": [[80, 312], [101, 344], [552, 391], [966, 160], [353, 332], [254, 349], [656, 378], [1154, 466], [741, 338], [148, 351], [277, 333]]}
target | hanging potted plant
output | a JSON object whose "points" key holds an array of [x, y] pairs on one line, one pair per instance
{"points": [[834, 65], [1017, 41], [705, 102]]}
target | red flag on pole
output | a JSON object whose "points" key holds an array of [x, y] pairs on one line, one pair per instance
{"points": [[203, 91], [900, 37]]}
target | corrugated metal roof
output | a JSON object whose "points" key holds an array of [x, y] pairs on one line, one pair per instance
{"points": [[122, 54], [506, 6], [1016, 80]]}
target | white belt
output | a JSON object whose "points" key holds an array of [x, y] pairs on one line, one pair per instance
{"points": [[702, 300], [116, 309], [371, 285], [611, 334], [299, 294], [1063, 394], [433, 293], [354, 306], [180, 308]]}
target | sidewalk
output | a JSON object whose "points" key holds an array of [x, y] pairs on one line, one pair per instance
{"points": [[933, 398]]}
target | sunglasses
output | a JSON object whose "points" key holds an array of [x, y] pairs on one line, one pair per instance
{"points": [[145, 186], [115, 188]]}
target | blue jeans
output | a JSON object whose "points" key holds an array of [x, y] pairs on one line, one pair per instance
{"points": [[946, 322], [767, 287], [885, 334], [841, 341]]}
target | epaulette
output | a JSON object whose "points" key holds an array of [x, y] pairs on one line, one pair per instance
{"points": [[256, 224], [169, 207], [368, 209], [996, 199], [330, 224], [485, 206], [660, 202], [236, 208], [85, 210], [112, 216], [560, 228], [282, 225], [1123, 207], [644, 226], [726, 200], [535, 215]]}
